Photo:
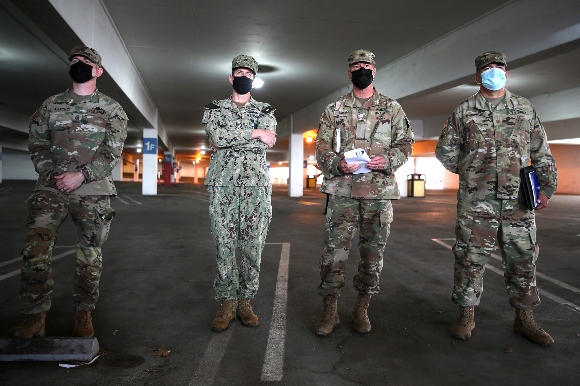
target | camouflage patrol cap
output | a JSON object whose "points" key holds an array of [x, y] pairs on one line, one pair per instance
{"points": [[361, 56], [88, 52], [489, 57], [245, 61]]}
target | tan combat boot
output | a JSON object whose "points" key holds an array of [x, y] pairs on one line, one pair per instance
{"points": [[83, 325], [360, 317], [329, 318], [224, 316], [466, 323], [246, 314], [32, 326], [526, 326]]}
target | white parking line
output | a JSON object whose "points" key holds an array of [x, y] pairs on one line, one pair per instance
{"points": [[120, 199], [56, 257], [208, 366], [11, 261], [198, 197], [273, 368], [131, 199], [545, 293]]}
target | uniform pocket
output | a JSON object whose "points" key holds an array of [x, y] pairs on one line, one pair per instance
{"points": [[386, 216], [103, 218]]}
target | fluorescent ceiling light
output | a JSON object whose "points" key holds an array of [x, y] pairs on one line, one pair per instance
{"points": [[570, 141], [258, 83]]}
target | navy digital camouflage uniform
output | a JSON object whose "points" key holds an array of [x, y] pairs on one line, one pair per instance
{"points": [[360, 201], [240, 193], [65, 136], [487, 146]]}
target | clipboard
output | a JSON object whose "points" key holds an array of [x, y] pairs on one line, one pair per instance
{"points": [[530, 186]]}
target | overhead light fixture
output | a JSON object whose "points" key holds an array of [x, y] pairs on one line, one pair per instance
{"points": [[202, 152], [258, 83], [139, 150], [309, 139]]}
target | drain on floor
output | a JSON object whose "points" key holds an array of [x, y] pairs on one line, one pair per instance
{"points": [[124, 361]]}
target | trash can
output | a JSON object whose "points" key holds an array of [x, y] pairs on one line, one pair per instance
{"points": [[310, 182], [416, 185]]}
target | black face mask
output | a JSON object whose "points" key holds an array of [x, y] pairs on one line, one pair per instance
{"points": [[242, 84], [362, 78], [81, 72]]}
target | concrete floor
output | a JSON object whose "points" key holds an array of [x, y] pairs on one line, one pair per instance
{"points": [[156, 293]]}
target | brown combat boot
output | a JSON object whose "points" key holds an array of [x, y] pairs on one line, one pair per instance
{"points": [[32, 326], [246, 314], [224, 316], [526, 326], [329, 318], [360, 317], [83, 325], [466, 323]]}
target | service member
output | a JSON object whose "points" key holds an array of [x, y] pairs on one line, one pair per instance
{"points": [[362, 119], [487, 140], [76, 139], [240, 130]]}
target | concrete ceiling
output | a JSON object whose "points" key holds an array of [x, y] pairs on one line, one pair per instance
{"points": [[182, 50]]}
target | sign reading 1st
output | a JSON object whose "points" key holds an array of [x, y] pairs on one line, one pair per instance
{"points": [[149, 145]]}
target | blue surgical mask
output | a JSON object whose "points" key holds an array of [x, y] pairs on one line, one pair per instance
{"points": [[493, 79]]}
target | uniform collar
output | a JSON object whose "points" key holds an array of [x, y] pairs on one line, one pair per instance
{"points": [[92, 98], [481, 102], [251, 102], [351, 100]]}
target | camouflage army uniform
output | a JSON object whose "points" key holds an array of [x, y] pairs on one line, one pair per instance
{"points": [[363, 200], [487, 147], [240, 193], [70, 137]]}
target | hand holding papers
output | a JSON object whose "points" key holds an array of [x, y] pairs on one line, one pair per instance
{"points": [[358, 156]]}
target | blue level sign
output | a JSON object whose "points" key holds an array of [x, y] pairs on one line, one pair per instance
{"points": [[149, 145], [167, 158]]}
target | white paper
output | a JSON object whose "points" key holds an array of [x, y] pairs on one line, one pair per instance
{"points": [[337, 137], [358, 156]]}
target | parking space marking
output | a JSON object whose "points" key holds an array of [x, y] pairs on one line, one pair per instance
{"points": [[11, 261], [199, 197], [17, 272], [208, 366], [131, 199], [273, 368], [120, 199], [545, 293]]}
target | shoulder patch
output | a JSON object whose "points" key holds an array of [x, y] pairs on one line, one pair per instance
{"points": [[268, 109], [212, 106]]}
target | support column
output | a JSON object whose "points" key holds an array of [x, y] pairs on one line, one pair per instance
{"points": [[117, 172], [149, 184], [136, 171], [296, 166]]}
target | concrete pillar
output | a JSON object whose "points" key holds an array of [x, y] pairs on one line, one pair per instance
{"points": [[117, 172], [149, 184], [296, 166], [136, 171]]}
